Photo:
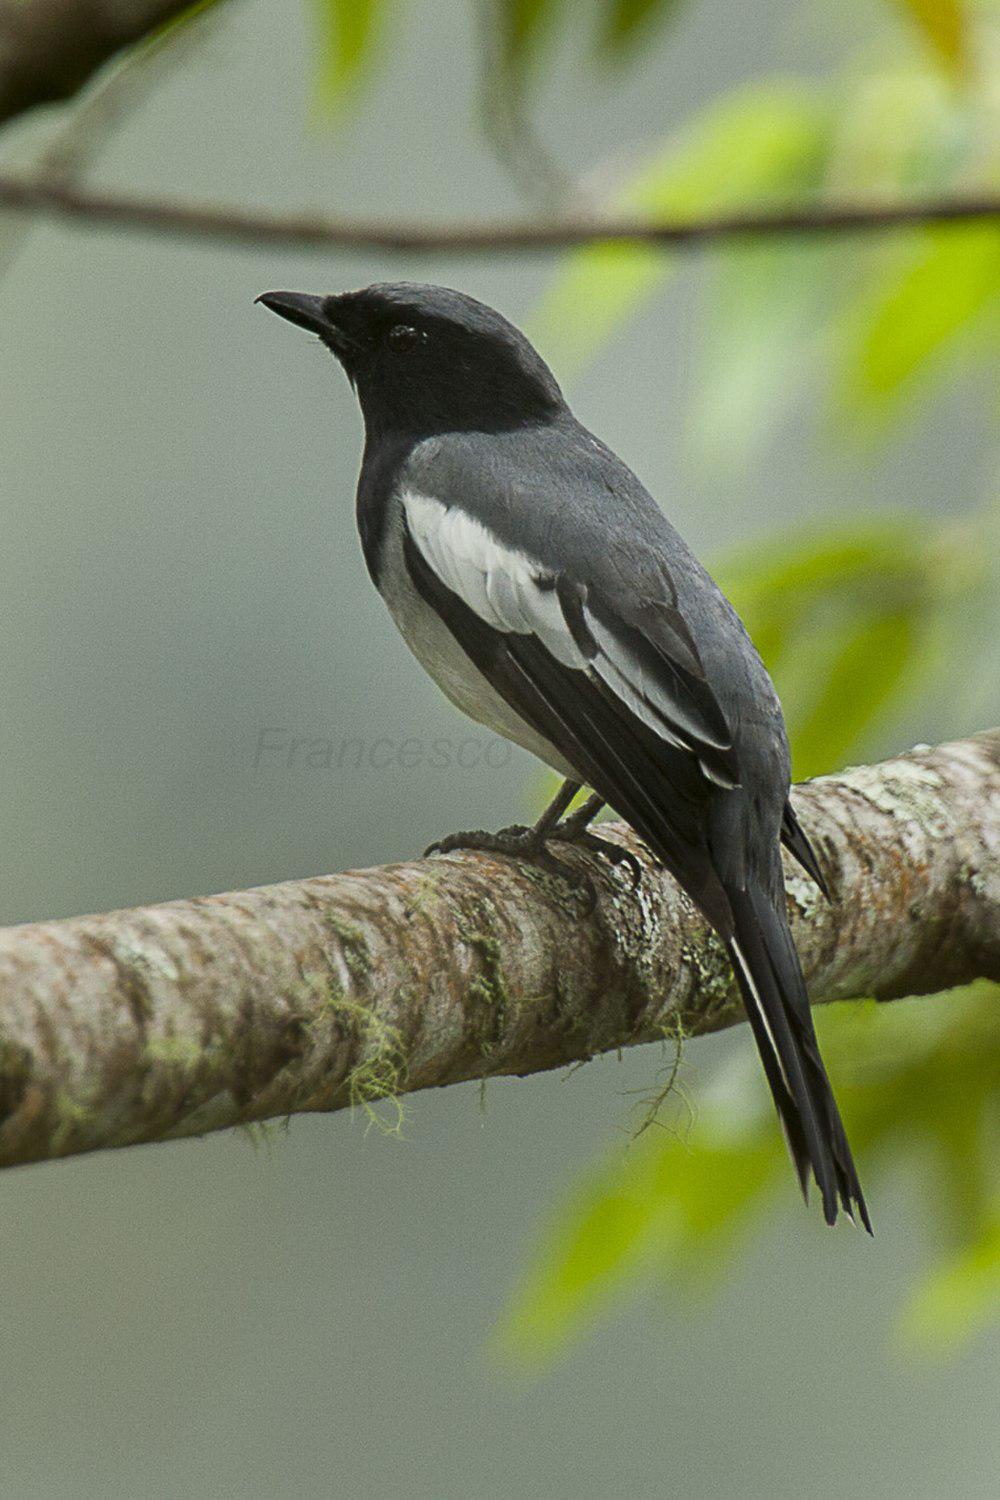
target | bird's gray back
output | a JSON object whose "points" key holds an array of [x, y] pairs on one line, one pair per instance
{"points": [[558, 494]]}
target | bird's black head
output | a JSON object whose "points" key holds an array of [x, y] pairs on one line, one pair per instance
{"points": [[425, 359]]}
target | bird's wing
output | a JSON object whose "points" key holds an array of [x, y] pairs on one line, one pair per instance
{"points": [[620, 693], [573, 662]]}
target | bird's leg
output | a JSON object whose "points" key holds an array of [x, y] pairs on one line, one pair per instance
{"points": [[531, 843], [549, 820], [576, 830], [518, 839], [551, 827], [578, 822]]}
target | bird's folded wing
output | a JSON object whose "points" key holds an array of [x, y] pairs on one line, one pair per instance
{"points": [[636, 653]]}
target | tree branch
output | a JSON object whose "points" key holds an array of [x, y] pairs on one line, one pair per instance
{"points": [[49, 48], [254, 227], [173, 1020]]}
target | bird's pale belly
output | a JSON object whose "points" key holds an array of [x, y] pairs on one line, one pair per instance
{"points": [[443, 659]]}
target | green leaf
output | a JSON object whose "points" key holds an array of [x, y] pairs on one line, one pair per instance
{"points": [[764, 576], [764, 327], [871, 664], [759, 146], [911, 321], [524, 26], [842, 621], [624, 23], [943, 25], [667, 1208], [960, 1296], [347, 35], [906, 130], [589, 1253]]}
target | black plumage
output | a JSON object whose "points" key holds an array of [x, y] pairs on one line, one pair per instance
{"points": [[534, 577]]}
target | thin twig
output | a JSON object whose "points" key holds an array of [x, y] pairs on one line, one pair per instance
{"points": [[254, 227]]}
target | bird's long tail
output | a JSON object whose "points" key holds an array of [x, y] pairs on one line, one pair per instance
{"points": [[770, 977]]}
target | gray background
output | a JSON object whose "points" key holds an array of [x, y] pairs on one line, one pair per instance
{"points": [[179, 570]]}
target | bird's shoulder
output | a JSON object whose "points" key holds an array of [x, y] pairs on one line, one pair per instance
{"points": [[554, 492], [561, 539], [561, 500]]}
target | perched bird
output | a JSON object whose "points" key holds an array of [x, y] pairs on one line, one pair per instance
{"points": [[542, 588]]}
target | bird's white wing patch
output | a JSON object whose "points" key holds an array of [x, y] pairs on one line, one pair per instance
{"points": [[498, 583], [515, 595]]}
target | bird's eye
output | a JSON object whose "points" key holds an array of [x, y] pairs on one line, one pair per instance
{"points": [[403, 338]]}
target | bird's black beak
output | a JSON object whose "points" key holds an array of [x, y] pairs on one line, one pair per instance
{"points": [[301, 308]]}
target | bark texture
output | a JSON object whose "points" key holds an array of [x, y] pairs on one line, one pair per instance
{"points": [[49, 48], [173, 1020]]}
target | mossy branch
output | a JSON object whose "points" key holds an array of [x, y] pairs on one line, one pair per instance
{"points": [[343, 990]]}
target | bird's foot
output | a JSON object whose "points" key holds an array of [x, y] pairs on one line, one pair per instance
{"points": [[583, 838], [528, 844], [517, 841], [520, 842]]}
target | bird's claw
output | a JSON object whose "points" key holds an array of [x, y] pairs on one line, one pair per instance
{"points": [[516, 841], [616, 854], [520, 842]]}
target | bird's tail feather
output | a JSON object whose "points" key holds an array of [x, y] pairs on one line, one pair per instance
{"points": [[770, 978]]}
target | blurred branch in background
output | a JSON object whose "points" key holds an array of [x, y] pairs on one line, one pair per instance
{"points": [[318, 994], [254, 227], [50, 48], [83, 131]]}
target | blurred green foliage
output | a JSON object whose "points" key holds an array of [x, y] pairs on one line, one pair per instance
{"points": [[347, 32], [875, 320], [847, 622], [758, 146], [917, 1082], [525, 26], [625, 24], [943, 24], [937, 301]]}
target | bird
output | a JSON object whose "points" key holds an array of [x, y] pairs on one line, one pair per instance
{"points": [[540, 585]]}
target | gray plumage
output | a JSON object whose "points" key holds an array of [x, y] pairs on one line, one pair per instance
{"points": [[541, 586]]}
